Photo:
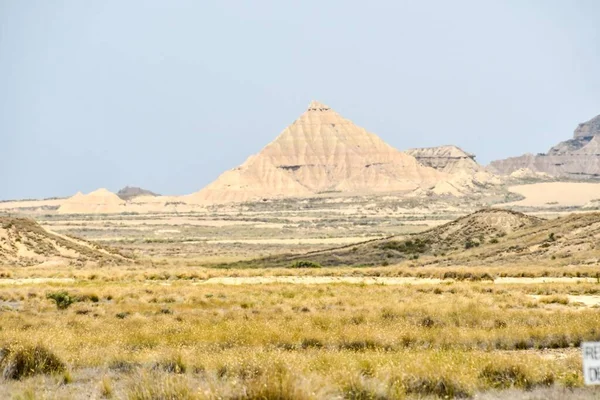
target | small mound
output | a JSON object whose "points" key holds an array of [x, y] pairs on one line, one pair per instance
{"points": [[24, 242], [481, 225]]}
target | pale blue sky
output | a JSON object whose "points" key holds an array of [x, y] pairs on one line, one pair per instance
{"points": [[168, 94]]}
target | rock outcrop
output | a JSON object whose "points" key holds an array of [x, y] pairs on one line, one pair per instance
{"points": [[449, 159], [321, 152], [577, 158], [463, 175]]}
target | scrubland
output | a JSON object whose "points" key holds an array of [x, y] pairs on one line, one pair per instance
{"points": [[135, 336], [162, 327]]}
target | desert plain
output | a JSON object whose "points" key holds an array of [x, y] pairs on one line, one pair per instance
{"points": [[328, 266]]}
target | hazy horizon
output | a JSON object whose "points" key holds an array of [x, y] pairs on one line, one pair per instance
{"points": [[168, 95]]}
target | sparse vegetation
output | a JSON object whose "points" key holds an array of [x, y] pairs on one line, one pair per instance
{"points": [[305, 264], [19, 361], [163, 329], [62, 299]]}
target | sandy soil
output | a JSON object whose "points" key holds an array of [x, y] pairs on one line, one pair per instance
{"points": [[29, 281], [226, 280], [311, 280], [12, 205], [110, 223], [553, 194], [589, 301], [339, 240], [543, 280]]}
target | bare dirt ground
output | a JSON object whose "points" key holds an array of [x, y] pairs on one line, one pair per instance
{"points": [[553, 194]]}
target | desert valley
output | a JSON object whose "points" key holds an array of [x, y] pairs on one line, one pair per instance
{"points": [[328, 265]]}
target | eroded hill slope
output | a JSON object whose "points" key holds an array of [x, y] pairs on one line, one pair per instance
{"points": [[24, 242]]}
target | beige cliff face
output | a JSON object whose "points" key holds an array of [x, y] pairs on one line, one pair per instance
{"points": [[577, 158], [588, 129], [449, 159], [319, 152]]}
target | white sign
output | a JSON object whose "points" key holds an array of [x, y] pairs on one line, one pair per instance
{"points": [[591, 362]]}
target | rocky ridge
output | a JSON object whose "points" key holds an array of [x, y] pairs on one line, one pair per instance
{"points": [[463, 175], [577, 158]]}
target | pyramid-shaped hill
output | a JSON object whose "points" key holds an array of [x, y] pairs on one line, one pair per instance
{"points": [[320, 152], [23, 242]]}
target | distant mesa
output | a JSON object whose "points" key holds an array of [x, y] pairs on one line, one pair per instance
{"points": [[463, 175], [24, 242], [320, 152], [577, 158], [450, 159], [130, 192], [102, 201]]}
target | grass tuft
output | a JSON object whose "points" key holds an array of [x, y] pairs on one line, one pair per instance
{"points": [[19, 362]]}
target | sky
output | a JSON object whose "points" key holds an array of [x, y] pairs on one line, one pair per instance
{"points": [[167, 95]]}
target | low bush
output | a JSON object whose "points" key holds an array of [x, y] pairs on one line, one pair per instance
{"points": [[62, 299], [18, 362], [305, 264], [505, 376], [440, 387], [173, 365]]}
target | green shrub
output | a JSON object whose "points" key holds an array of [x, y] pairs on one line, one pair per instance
{"points": [[470, 243], [305, 264], [122, 315], [415, 247], [62, 299]]}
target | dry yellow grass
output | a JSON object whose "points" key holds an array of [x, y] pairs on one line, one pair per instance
{"points": [[143, 339]]}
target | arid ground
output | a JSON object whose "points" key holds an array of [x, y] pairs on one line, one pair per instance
{"points": [[188, 317]]}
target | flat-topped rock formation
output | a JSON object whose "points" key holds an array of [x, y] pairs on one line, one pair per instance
{"points": [[449, 159], [577, 158], [463, 174], [320, 152]]}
